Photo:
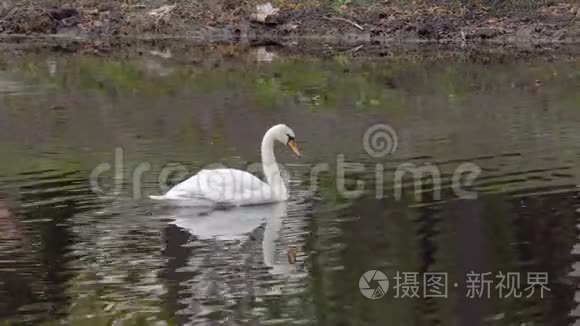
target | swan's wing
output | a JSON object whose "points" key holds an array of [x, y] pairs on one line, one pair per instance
{"points": [[219, 186]]}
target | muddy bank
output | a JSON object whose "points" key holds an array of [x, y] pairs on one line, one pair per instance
{"points": [[102, 24]]}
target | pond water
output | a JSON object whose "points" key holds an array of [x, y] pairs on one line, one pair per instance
{"points": [[80, 253]]}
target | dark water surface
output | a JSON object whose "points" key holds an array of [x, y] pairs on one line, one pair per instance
{"points": [[69, 255]]}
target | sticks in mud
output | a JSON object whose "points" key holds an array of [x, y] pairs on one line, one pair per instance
{"points": [[344, 20]]}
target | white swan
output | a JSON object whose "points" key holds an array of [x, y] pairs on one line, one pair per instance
{"points": [[231, 187]]}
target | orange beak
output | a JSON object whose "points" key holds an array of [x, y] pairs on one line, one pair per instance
{"points": [[293, 147]]}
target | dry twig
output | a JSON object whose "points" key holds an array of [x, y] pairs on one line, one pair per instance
{"points": [[344, 20], [353, 50]]}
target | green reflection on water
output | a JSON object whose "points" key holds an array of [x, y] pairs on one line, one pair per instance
{"points": [[111, 102]]}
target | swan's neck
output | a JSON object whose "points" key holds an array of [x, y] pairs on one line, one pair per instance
{"points": [[269, 164]]}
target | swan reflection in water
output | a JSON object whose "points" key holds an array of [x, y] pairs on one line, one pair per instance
{"points": [[239, 256], [237, 224]]}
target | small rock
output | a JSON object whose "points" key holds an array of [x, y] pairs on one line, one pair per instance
{"points": [[162, 11], [289, 27], [424, 30], [487, 33], [71, 21], [63, 13], [165, 54], [262, 55], [265, 14]]}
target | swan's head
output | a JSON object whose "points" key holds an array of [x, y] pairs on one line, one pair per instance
{"points": [[284, 134]]}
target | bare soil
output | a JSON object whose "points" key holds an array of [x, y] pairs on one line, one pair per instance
{"points": [[101, 25]]}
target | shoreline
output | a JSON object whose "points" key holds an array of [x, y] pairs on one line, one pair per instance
{"points": [[106, 26]]}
